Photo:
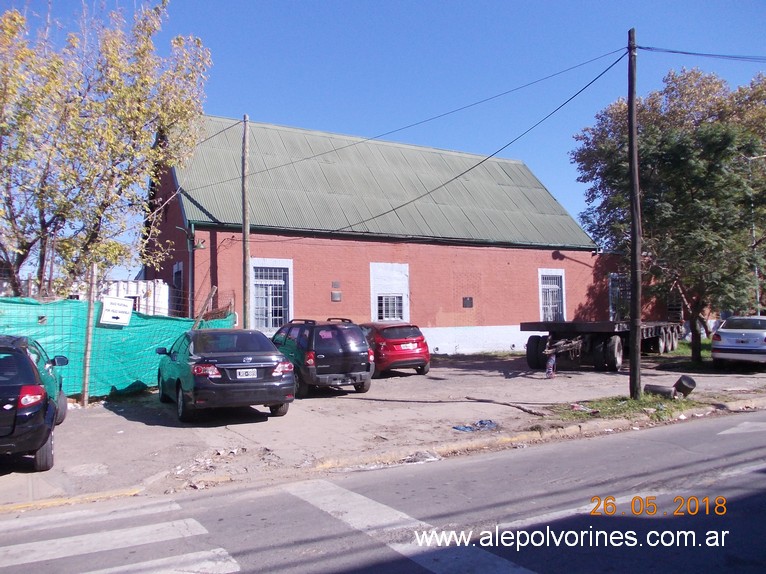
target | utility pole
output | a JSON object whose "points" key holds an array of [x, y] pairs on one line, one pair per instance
{"points": [[635, 226], [245, 231]]}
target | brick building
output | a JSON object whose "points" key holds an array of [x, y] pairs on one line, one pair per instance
{"points": [[340, 226]]}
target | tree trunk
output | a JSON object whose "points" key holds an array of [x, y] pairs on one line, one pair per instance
{"points": [[694, 326]]}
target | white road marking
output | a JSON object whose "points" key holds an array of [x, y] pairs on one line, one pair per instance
{"points": [[73, 518], [215, 561], [97, 542], [383, 523], [745, 428]]}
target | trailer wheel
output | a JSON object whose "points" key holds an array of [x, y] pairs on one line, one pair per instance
{"points": [[660, 343], [613, 358], [674, 340], [599, 354], [533, 355], [542, 358], [668, 341]]}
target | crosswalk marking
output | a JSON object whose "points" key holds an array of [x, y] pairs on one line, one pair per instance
{"points": [[97, 542], [76, 517], [215, 561], [380, 521], [745, 428]]}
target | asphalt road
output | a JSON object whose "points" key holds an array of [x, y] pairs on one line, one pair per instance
{"points": [[610, 502]]}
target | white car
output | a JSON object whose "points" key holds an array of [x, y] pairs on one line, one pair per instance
{"points": [[740, 339]]}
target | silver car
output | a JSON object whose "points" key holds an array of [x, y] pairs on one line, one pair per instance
{"points": [[740, 339]]}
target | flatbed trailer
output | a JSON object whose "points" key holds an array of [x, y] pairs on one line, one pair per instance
{"points": [[599, 343]]}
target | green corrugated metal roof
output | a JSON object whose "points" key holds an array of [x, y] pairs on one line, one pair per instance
{"points": [[324, 183]]}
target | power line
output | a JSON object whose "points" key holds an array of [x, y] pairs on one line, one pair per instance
{"points": [[412, 125], [755, 59]]}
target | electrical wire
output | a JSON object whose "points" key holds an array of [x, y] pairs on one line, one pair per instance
{"points": [[412, 125], [756, 59]]}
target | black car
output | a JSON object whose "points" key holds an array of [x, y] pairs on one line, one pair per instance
{"points": [[330, 353], [210, 368], [32, 401]]}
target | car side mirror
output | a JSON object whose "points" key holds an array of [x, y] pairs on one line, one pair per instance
{"points": [[161, 351], [60, 361]]}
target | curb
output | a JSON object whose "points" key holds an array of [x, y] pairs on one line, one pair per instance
{"points": [[71, 500]]}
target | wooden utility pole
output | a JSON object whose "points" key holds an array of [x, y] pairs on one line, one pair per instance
{"points": [[635, 226], [245, 231]]}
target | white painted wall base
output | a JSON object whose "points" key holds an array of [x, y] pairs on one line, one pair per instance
{"points": [[484, 339]]}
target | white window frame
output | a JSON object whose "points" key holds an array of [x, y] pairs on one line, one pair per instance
{"points": [[270, 262], [551, 273]]}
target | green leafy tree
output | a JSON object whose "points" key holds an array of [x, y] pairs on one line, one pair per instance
{"points": [[701, 176], [85, 130]]}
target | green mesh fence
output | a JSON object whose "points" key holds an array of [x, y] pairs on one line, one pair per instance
{"points": [[121, 357]]}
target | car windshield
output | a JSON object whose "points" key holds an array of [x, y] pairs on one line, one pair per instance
{"points": [[232, 343], [401, 332], [745, 324]]}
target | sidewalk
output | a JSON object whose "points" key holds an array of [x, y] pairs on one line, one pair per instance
{"points": [[134, 445]]}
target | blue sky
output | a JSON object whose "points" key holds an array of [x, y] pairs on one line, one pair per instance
{"points": [[367, 67]]}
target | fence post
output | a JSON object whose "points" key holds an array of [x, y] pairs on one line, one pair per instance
{"points": [[88, 335]]}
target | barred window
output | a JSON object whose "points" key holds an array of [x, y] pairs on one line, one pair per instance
{"points": [[390, 307]]}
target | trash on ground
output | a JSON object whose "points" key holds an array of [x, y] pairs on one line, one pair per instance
{"points": [[481, 425], [583, 409]]}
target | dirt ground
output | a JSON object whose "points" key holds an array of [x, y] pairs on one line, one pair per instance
{"points": [[462, 406]]}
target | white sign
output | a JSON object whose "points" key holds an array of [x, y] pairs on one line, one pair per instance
{"points": [[116, 311]]}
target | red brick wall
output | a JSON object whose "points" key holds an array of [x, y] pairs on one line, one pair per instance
{"points": [[503, 283]]}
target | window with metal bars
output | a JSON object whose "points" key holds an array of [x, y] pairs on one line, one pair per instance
{"points": [[271, 301], [552, 297], [619, 296], [390, 307]]}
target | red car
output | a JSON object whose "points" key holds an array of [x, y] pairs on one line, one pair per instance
{"points": [[397, 345]]}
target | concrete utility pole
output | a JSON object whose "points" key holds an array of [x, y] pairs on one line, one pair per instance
{"points": [[245, 231], [635, 226]]}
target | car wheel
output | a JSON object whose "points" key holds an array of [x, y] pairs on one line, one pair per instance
{"points": [[62, 407], [302, 389], [279, 410], [44, 455], [363, 387], [424, 369], [160, 391], [183, 408]]}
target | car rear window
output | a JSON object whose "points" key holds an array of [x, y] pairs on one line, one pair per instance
{"points": [[232, 343], [338, 338], [745, 324], [401, 332], [15, 370]]}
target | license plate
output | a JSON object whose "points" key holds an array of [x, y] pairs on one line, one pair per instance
{"points": [[247, 373], [409, 346]]}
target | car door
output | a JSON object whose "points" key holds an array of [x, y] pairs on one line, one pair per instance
{"points": [[46, 369], [175, 363]]}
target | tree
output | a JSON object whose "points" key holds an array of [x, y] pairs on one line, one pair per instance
{"points": [[85, 130], [702, 190]]}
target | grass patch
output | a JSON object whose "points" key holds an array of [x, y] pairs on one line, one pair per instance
{"points": [[656, 407]]}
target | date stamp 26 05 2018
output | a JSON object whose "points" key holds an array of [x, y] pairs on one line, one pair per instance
{"points": [[648, 506]]}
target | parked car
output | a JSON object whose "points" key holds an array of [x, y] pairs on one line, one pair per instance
{"points": [[30, 394], [740, 339], [397, 345], [332, 353], [212, 368]]}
